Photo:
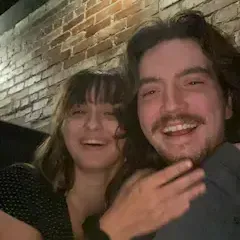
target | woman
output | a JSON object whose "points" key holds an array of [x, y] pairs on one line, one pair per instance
{"points": [[67, 181], [53, 197]]}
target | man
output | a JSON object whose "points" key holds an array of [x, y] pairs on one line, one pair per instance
{"points": [[187, 105]]}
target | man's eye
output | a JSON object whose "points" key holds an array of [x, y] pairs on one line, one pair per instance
{"points": [[148, 93], [195, 82]]}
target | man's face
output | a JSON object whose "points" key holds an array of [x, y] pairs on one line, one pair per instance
{"points": [[181, 107]]}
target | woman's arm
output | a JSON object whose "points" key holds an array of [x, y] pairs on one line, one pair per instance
{"points": [[12, 228]]}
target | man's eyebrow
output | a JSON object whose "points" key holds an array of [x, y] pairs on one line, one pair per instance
{"points": [[198, 69], [148, 80]]}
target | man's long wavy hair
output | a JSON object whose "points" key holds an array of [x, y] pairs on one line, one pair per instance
{"points": [[52, 157], [225, 58]]}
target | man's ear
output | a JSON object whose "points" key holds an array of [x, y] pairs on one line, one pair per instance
{"points": [[228, 107]]}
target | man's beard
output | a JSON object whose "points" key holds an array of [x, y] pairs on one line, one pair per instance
{"points": [[196, 158]]}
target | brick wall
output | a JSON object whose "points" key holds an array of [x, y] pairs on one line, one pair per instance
{"points": [[65, 36]]}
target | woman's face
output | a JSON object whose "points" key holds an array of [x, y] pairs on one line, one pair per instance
{"points": [[90, 136]]}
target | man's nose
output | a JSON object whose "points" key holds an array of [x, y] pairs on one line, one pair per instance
{"points": [[173, 100]]}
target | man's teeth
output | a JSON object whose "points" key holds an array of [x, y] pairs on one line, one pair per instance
{"points": [[178, 127]]}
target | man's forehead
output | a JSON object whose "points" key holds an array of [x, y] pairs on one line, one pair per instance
{"points": [[176, 60]]}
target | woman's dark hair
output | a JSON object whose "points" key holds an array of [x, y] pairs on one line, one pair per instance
{"points": [[219, 50], [52, 157]]}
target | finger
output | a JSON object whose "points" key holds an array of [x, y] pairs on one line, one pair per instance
{"points": [[181, 184], [137, 176], [162, 177], [194, 192]]}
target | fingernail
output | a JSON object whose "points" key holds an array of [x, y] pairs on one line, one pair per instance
{"points": [[188, 164]]}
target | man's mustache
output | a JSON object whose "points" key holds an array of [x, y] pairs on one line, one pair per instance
{"points": [[183, 117]]}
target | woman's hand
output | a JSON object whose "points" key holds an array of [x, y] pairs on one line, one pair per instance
{"points": [[147, 201]]}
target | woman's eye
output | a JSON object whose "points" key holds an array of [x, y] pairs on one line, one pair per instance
{"points": [[78, 111], [109, 113]]}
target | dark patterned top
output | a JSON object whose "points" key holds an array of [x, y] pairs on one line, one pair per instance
{"points": [[27, 196]]}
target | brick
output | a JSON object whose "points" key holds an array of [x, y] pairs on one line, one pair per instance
{"points": [[60, 58], [16, 104], [39, 68], [136, 7], [226, 14], [79, 10], [91, 3], [186, 4], [8, 69], [73, 40], [85, 64], [113, 63], [33, 97], [60, 39], [23, 112], [124, 35], [112, 9], [54, 34], [82, 26], [3, 78], [33, 116], [4, 65], [97, 7], [46, 30], [17, 71], [43, 93], [23, 60], [42, 125], [6, 85], [5, 102], [32, 80], [4, 114], [97, 27], [7, 118], [47, 111], [213, 6], [24, 76], [231, 26], [40, 104], [25, 101], [3, 95], [111, 53], [37, 87], [99, 48], [75, 59], [68, 18], [32, 63], [83, 45], [51, 71], [21, 94], [57, 23], [73, 23], [52, 53], [166, 3], [40, 51], [16, 88], [50, 13], [142, 15], [170, 11], [111, 30]]}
